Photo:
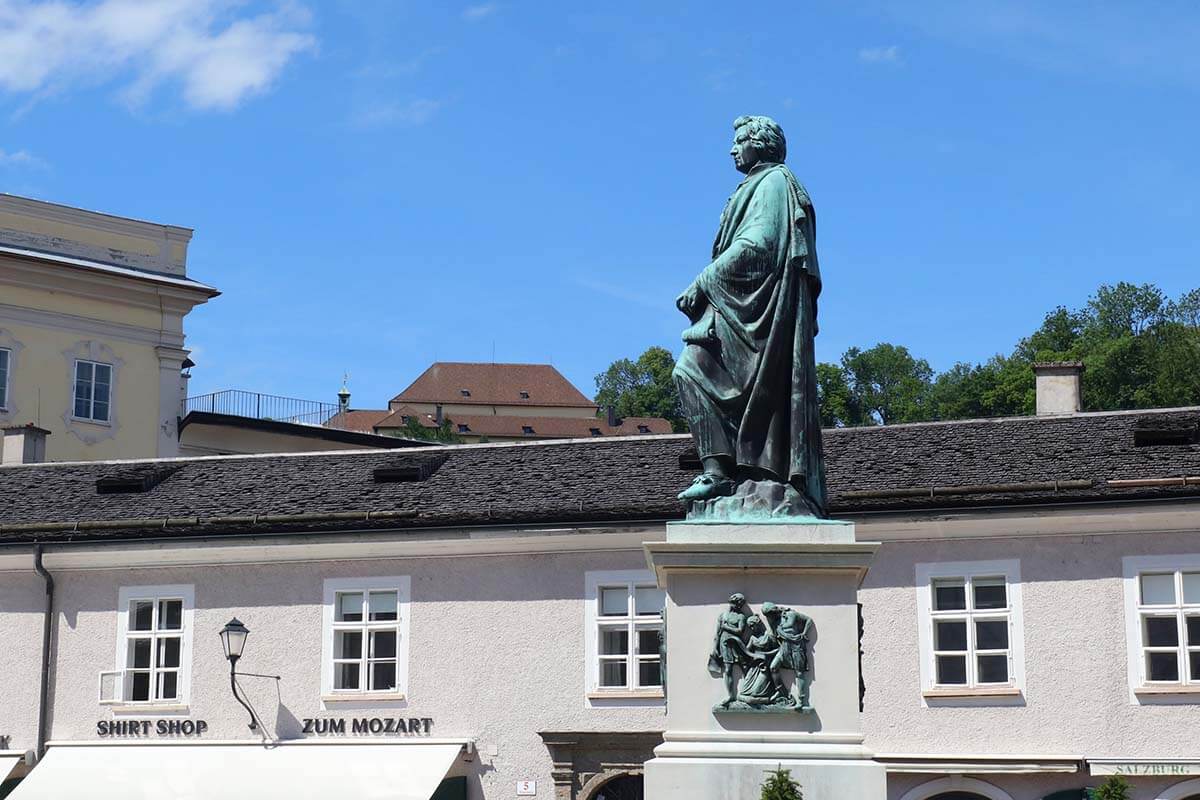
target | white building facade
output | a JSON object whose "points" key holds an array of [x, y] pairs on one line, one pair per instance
{"points": [[481, 622]]}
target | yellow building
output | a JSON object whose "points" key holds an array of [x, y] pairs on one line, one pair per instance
{"points": [[91, 331]]}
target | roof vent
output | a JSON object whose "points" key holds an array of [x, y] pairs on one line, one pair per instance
{"points": [[690, 460], [527, 430], [409, 470], [1169, 437], [135, 481], [465, 392], [643, 428], [595, 431], [524, 395]]}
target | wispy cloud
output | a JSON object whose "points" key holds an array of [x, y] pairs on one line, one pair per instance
{"points": [[387, 114], [21, 158], [647, 299], [216, 57], [880, 55], [1150, 43], [479, 12]]}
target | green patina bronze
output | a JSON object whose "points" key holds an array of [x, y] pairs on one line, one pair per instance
{"points": [[747, 375], [761, 647]]}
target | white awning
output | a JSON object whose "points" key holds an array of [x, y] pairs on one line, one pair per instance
{"points": [[410, 770], [931, 764], [7, 762]]}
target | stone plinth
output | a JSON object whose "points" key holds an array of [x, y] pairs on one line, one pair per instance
{"points": [[812, 566]]}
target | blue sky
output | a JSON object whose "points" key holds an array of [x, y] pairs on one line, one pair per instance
{"points": [[378, 185]]}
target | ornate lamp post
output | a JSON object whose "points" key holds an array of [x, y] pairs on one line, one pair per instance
{"points": [[233, 639]]}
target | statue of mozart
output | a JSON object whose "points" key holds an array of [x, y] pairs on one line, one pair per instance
{"points": [[747, 375]]}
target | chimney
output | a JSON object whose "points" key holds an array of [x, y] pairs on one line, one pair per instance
{"points": [[24, 444], [1057, 384], [611, 419]]}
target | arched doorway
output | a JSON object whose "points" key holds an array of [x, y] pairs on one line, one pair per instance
{"points": [[1188, 790], [956, 787], [622, 787]]}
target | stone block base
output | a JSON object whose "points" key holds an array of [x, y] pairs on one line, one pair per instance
{"points": [[742, 778]]}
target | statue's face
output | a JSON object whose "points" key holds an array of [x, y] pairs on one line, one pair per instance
{"points": [[745, 154]]}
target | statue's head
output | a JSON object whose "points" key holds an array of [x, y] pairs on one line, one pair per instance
{"points": [[757, 139], [755, 624], [769, 608], [737, 600]]}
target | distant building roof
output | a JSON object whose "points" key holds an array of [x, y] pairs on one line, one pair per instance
{"points": [[357, 419], [357, 438], [921, 468], [532, 426], [493, 384]]}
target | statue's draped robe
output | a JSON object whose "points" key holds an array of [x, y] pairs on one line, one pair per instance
{"points": [[747, 378]]}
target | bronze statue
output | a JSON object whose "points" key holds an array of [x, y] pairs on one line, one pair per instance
{"points": [[747, 374], [792, 630], [761, 652], [728, 647]]}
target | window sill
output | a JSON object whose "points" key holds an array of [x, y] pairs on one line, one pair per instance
{"points": [[651, 694], [97, 422], [999, 691], [148, 708], [365, 697], [1168, 688]]}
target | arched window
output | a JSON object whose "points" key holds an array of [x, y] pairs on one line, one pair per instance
{"points": [[1188, 790]]}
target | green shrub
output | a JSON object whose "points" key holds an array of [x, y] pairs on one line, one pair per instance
{"points": [[780, 786], [1115, 788]]}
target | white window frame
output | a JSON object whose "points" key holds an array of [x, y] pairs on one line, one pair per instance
{"points": [[125, 596], [593, 583], [402, 585], [1133, 567], [6, 379], [112, 374], [927, 575]]}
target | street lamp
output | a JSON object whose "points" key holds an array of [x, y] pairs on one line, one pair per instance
{"points": [[233, 639]]}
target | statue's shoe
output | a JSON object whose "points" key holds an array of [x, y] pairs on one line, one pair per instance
{"points": [[706, 487]]}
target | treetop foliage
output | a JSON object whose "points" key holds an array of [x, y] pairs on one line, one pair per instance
{"points": [[1139, 348]]}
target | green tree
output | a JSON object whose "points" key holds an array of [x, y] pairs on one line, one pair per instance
{"points": [[887, 385], [780, 786], [1115, 788], [413, 429], [833, 396], [642, 388]]}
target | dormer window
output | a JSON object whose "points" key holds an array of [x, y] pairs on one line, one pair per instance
{"points": [[404, 419], [524, 395], [595, 431], [527, 430], [643, 428], [465, 392], [464, 428]]}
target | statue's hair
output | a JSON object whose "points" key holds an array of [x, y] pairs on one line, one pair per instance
{"points": [[766, 135], [737, 597]]}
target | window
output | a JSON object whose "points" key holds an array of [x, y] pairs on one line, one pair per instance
{"points": [[465, 392], [970, 632], [154, 645], [365, 641], [5, 355], [595, 431], [624, 623], [524, 395], [93, 387], [527, 430], [464, 428], [643, 428], [1164, 618]]}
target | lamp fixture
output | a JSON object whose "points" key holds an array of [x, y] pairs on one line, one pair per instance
{"points": [[233, 639]]}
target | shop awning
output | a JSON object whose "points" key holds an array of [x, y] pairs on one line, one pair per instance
{"points": [[7, 762], [409, 770]]}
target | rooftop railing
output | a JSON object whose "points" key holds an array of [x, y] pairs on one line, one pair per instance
{"points": [[255, 405]]}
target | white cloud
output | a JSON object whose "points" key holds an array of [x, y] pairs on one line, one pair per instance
{"points": [[481, 11], [21, 158], [411, 114], [217, 58], [880, 55]]}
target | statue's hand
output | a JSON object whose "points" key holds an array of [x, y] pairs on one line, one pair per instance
{"points": [[691, 301]]}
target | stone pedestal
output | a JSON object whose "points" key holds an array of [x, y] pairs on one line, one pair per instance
{"points": [[812, 566]]}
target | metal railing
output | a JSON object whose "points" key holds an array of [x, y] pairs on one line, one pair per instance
{"points": [[256, 405]]}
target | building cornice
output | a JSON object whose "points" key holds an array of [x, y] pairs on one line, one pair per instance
{"points": [[91, 327]]}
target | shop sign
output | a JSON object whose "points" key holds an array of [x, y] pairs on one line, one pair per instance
{"points": [[1145, 767], [376, 726], [147, 727]]}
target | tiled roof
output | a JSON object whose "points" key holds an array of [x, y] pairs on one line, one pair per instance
{"points": [[493, 384], [357, 419], [609, 480], [538, 427]]}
